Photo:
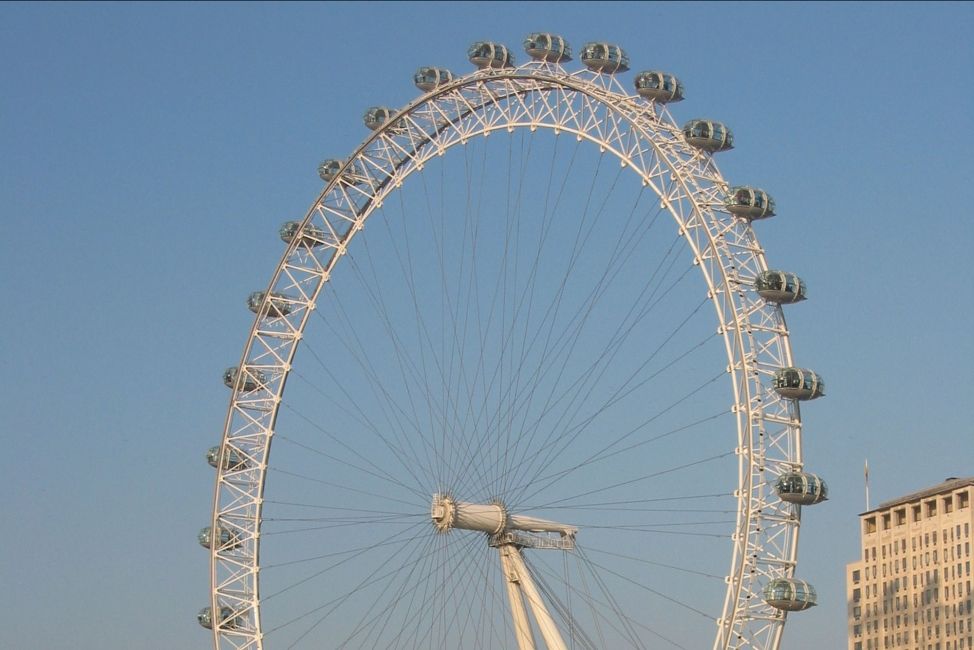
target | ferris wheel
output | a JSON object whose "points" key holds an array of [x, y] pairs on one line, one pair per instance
{"points": [[540, 390]]}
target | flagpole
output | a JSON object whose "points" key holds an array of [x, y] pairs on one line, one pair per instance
{"points": [[866, 472]]}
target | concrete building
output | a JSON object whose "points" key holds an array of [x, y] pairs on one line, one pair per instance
{"points": [[911, 587]]}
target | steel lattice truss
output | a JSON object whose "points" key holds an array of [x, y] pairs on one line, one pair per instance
{"points": [[646, 140]]}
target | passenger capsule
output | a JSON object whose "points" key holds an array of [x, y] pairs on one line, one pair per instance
{"points": [[277, 305], [709, 136], [311, 236], [226, 538], [251, 379], [604, 57], [232, 459], [659, 86], [205, 618], [547, 47], [790, 594], [429, 78], [328, 170], [801, 488], [487, 54], [376, 117], [749, 203], [798, 383], [780, 287]]}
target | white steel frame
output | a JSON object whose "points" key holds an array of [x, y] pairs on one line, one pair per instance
{"points": [[644, 138]]}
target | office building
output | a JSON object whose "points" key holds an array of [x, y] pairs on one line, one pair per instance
{"points": [[911, 587]]}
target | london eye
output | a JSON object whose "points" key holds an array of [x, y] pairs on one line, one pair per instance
{"points": [[526, 372]]}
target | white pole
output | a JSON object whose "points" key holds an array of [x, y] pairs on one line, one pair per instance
{"points": [[549, 631], [522, 627]]}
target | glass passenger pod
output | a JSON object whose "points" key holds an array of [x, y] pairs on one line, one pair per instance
{"points": [[604, 57], [749, 203], [801, 488], [708, 135], [798, 383], [427, 78], [232, 459], [328, 170], [250, 380], [311, 236], [278, 305], [487, 54], [780, 287], [659, 86], [226, 539], [227, 620], [376, 116], [790, 594], [552, 48]]}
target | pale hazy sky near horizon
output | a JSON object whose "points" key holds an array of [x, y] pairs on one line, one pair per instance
{"points": [[151, 150]]}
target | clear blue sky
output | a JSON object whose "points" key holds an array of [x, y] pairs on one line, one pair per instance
{"points": [[151, 150]]}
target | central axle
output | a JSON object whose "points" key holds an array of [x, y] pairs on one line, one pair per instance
{"points": [[490, 518]]}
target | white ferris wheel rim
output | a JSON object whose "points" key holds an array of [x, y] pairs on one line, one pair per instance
{"points": [[724, 247]]}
